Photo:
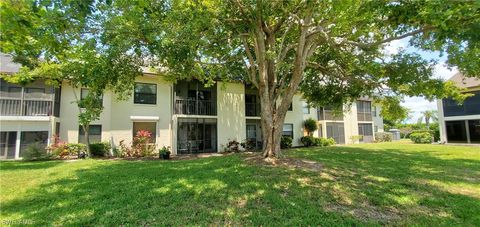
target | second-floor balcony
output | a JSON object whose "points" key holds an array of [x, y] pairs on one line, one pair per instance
{"points": [[35, 99], [195, 107], [17, 107], [193, 98], [328, 114]]}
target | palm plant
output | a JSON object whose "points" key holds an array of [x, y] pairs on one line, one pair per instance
{"points": [[428, 115]]}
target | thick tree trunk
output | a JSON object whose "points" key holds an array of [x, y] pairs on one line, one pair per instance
{"points": [[272, 125]]}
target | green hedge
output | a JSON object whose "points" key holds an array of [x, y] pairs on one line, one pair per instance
{"points": [[99, 149], [421, 137], [383, 137], [309, 141], [286, 142]]}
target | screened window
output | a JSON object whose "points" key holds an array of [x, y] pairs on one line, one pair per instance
{"points": [[471, 106], [94, 134], [374, 111], [27, 138], [364, 110], [146, 126], [145, 93], [288, 130], [365, 129]]}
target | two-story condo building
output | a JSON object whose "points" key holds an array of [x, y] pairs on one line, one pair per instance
{"points": [[460, 123], [187, 116]]}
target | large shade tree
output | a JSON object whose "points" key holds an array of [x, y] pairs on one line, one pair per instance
{"points": [[330, 51]]}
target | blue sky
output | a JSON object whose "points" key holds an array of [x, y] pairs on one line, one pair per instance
{"points": [[419, 104]]}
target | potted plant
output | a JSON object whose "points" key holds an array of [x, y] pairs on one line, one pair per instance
{"points": [[164, 152]]}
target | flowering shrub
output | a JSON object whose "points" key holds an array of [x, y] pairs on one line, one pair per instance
{"points": [[141, 145], [63, 149]]}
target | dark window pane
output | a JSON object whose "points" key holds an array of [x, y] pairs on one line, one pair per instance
{"points": [[456, 132], [145, 93], [474, 130], [471, 106]]}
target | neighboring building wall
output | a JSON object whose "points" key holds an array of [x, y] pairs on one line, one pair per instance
{"points": [[296, 117], [442, 120]]}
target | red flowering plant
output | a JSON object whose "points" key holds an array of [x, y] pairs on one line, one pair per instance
{"points": [[141, 144], [57, 147]]}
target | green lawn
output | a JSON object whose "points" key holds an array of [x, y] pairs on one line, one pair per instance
{"points": [[370, 184]]}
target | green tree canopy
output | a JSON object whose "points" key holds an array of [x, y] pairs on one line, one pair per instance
{"points": [[331, 51]]}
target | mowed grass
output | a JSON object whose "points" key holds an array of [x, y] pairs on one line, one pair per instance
{"points": [[369, 184]]}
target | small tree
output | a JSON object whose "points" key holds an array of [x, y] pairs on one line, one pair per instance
{"points": [[428, 115], [310, 126]]}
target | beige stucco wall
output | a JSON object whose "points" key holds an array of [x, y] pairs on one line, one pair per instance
{"points": [[22, 125], [116, 118], [378, 120], [350, 122], [231, 122], [296, 117]]}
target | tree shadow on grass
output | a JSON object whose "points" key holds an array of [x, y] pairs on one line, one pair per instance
{"points": [[398, 186], [216, 190], [356, 187]]}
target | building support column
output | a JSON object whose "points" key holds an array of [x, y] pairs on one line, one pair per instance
{"points": [[17, 145], [467, 132]]}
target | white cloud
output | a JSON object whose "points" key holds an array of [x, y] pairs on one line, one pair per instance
{"points": [[442, 71], [417, 105], [395, 46]]}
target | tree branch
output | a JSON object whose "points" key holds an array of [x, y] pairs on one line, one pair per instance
{"points": [[369, 45], [251, 61]]}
